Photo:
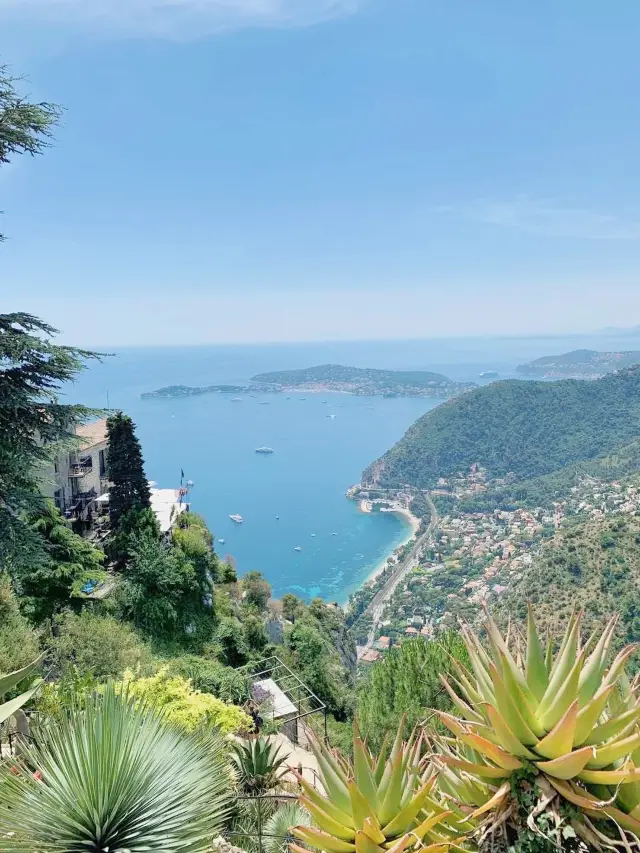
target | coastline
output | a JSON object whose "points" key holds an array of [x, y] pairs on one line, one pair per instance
{"points": [[412, 525]]}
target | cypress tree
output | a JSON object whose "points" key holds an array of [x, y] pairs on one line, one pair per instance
{"points": [[129, 488]]}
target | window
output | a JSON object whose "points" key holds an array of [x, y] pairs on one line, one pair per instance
{"points": [[103, 464]]}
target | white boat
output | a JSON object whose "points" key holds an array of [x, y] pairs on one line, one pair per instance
{"points": [[237, 518], [221, 541], [297, 548], [313, 534], [264, 450]]}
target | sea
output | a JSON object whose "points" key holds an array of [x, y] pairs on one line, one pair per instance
{"points": [[294, 498]]}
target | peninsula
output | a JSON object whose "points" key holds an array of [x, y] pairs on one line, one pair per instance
{"points": [[336, 378], [187, 391], [362, 381], [580, 364]]}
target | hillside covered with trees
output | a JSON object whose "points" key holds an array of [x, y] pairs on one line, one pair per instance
{"points": [[362, 381], [525, 428], [580, 363]]}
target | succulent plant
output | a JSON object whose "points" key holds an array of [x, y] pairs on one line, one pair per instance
{"points": [[377, 804], [10, 682], [566, 724], [260, 765]]}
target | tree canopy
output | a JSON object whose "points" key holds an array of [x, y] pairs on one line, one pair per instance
{"points": [[129, 488]]}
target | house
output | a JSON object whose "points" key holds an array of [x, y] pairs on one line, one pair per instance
{"points": [[412, 632], [79, 477], [383, 643], [370, 656]]}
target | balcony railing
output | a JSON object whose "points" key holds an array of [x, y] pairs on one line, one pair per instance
{"points": [[79, 469]]}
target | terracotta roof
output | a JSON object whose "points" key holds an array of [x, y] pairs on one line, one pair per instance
{"points": [[370, 656], [411, 631], [95, 433]]}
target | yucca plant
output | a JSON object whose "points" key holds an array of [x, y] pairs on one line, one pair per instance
{"points": [[278, 828], [260, 765], [114, 775], [377, 804], [558, 732]]}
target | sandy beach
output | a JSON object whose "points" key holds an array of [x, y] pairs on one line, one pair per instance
{"points": [[412, 522]]}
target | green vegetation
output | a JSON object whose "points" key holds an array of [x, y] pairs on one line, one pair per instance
{"points": [[542, 754], [539, 734], [128, 485], [34, 426], [8, 684], [71, 563], [583, 363], [260, 765], [97, 644], [525, 428], [407, 683], [182, 705], [356, 380], [148, 786], [19, 643], [25, 128], [591, 565], [187, 391], [376, 803]]}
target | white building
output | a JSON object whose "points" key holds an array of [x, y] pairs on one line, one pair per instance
{"points": [[79, 477]]}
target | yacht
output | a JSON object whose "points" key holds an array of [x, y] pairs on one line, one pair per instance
{"points": [[221, 541], [297, 548], [264, 450], [237, 518]]}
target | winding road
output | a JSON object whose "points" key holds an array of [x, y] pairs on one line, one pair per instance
{"points": [[378, 602]]}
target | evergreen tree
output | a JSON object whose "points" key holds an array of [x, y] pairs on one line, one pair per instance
{"points": [[34, 426], [71, 562], [129, 489], [25, 128]]}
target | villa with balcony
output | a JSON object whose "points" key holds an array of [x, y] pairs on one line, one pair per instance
{"points": [[78, 483]]}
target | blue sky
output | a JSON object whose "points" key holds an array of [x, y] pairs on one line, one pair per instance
{"points": [[248, 170]]}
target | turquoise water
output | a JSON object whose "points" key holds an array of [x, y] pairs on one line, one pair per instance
{"points": [[316, 457]]}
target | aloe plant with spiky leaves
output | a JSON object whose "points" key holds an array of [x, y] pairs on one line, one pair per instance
{"points": [[378, 804], [260, 765], [568, 721]]}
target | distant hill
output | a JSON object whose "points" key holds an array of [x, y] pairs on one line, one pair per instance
{"points": [[356, 380], [581, 363], [591, 565], [525, 427]]}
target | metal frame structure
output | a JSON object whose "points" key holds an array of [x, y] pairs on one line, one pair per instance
{"points": [[297, 692]]}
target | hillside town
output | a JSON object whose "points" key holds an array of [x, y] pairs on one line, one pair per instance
{"points": [[474, 557]]}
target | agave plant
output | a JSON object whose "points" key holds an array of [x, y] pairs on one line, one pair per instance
{"points": [[564, 725], [377, 804], [114, 776], [260, 764], [11, 681]]}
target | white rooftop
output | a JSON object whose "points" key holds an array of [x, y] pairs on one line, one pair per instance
{"points": [[281, 705], [166, 505]]}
